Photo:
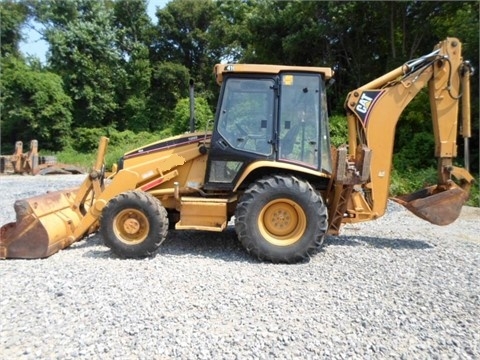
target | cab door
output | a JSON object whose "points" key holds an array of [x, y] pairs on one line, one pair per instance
{"points": [[301, 114], [244, 128]]}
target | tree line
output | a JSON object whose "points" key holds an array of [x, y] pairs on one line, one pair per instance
{"points": [[110, 67]]}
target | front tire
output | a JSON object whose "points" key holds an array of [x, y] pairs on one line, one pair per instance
{"points": [[134, 224], [281, 219]]}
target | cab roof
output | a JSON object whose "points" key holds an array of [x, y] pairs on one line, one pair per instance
{"points": [[221, 69]]}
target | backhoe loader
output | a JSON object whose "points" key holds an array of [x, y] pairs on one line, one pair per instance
{"points": [[267, 164]]}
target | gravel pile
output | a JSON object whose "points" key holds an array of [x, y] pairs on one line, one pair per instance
{"points": [[396, 288]]}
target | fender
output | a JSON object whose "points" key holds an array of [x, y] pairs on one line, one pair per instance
{"points": [[290, 168]]}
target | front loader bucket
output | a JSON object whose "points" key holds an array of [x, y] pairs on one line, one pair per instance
{"points": [[435, 204], [44, 225], [51, 222]]}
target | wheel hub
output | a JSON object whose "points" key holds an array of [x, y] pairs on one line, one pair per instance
{"points": [[282, 222], [131, 226], [279, 220]]}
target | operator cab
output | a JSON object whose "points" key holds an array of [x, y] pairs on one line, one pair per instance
{"points": [[270, 113]]}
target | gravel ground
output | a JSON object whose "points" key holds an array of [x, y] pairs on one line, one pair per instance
{"points": [[395, 288]]}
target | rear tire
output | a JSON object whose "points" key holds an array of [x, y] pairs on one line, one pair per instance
{"points": [[134, 224], [281, 219]]}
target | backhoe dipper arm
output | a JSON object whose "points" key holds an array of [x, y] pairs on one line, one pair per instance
{"points": [[373, 111]]}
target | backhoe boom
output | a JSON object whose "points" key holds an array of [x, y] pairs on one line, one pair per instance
{"points": [[373, 111]]}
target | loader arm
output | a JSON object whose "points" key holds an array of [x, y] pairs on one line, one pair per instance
{"points": [[373, 111], [48, 223]]}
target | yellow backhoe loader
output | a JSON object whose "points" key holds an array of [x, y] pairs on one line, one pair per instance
{"points": [[268, 163]]}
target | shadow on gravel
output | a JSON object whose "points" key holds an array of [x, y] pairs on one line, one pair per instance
{"points": [[378, 243], [92, 240], [223, 246]]}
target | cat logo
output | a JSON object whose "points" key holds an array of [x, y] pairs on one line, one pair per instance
{"points": [[364, 103]]}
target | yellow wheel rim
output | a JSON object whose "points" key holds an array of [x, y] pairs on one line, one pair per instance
{"points": [[282, 222], [131, 226]]}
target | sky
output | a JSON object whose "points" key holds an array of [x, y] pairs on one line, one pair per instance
{"points": [[35, 46]]}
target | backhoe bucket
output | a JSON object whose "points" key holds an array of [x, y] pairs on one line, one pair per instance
{"points": [[44, 226], [434, 204]]}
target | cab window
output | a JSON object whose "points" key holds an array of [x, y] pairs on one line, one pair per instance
{"points": [[246, 115], [299, 120]]}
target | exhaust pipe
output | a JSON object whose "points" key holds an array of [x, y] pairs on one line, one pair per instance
{"points": [[192, 107]]}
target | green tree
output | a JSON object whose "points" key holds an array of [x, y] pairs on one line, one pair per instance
{"points": [[288, 32], [133, 32], [229, 33], [34, 106], [203, 115], [170, 83], [182, 37], [83, 52], [132, 25], [13, 16]]}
